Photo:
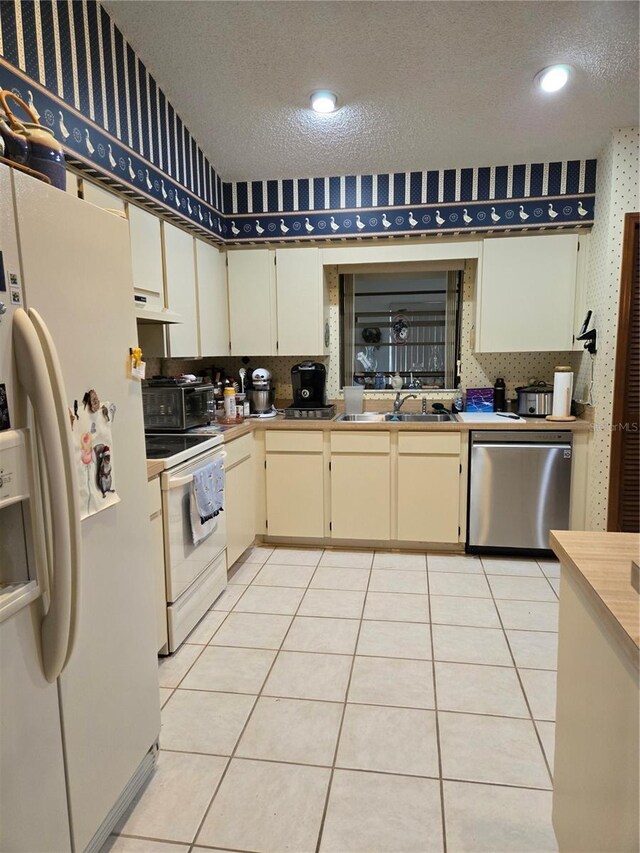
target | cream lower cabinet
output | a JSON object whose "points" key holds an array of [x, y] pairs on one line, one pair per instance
{"points": [[295, 469], [361, 485], [157, 560], [428, 503], [240, 496]]}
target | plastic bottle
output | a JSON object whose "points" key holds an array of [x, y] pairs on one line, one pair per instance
{"points": [[499, 391], [230, 409]]}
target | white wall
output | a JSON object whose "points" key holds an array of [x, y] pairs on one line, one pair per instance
{"points": [[616, 195]]}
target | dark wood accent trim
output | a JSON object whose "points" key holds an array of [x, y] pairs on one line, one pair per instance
{"points": [[620, 412]]}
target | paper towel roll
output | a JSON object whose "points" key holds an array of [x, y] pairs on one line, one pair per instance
{"points": [[562, 391]]}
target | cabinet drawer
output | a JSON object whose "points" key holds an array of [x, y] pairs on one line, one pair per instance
{"points": [[360, 442], [431, 442], [293, 441], [238, 450], [154, 496]]}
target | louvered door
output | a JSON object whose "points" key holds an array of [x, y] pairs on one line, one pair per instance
{"points": [[624, 483]]}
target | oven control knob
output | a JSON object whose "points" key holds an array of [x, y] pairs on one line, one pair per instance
{"points": [[531, 409], [305, 393]]}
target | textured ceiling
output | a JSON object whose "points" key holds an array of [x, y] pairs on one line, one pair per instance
{"points": [[424, 84]]}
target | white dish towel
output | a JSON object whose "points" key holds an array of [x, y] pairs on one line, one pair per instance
{"points": [[206, 499]]}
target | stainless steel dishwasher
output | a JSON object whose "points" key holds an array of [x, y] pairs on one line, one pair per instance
{"points": [[519, 489]]}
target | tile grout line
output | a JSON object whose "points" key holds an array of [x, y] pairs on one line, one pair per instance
{"points": [[344, 711], [372, 656], [366, 769], [437, 719], [253, 707], [344, 702], [380, 619], [351, 702], [524, 692], [191, 844]]}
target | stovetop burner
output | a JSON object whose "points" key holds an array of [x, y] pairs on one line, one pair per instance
{"points": [[324, 413], [176, 382]]}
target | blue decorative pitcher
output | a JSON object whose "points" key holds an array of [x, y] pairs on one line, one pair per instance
{"points": [[31, 144]]}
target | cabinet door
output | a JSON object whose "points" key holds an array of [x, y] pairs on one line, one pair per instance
{"points": [[360, 496], [213, 308], [252, 302], [428, 498], [300, 296], [146, 256], [295, 494], [526, 293], [160, 590], [180, 276], [239, 495], [102, 198]]}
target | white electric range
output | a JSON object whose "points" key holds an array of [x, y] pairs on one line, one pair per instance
{"points": [[195, 575]]}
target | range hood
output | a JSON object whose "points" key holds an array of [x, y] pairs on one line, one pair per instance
{"points": [[154, 315]]}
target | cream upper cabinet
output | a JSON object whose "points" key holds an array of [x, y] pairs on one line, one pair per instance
{"points": [[525, 293], [360, 485], [428, 503], [180, 280], [146, 256], [302, 302], [252, 302], [213, 307], [295, 484], [102, 198]]}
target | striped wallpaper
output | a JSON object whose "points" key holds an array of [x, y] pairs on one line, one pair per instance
{"points": [[87, 84], [539, 195], [71, 61]]}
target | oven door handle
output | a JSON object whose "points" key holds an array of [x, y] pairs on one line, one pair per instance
{"points": [[177, 482]]}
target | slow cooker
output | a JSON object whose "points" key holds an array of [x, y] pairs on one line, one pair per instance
{"points": [[535, 400]]}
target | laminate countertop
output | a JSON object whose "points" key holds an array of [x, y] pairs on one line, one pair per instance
{"points": [[601, 564], [282, 423], [231, 432], [154, 468]]}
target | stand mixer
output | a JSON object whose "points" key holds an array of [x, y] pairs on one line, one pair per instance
{"points": [[261, 394]]}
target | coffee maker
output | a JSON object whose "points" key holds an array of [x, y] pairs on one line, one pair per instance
{"points": [[309, 384]]}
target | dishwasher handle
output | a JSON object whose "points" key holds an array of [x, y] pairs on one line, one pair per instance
{"points": [[525, 445], [519, 438]]}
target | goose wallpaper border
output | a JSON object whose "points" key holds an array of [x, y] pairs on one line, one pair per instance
{"points": [[117, 126]]}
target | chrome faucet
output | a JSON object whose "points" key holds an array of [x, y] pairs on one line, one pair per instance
{"points": [[397, 405]]}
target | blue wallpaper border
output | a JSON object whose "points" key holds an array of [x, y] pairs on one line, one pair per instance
{"points": [[118, 127]]}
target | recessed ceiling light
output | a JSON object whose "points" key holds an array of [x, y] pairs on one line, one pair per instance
{"points": [[324, 101], [553, 78]]}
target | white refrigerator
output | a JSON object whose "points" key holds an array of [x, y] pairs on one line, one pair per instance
{"points": [[79, 698]]}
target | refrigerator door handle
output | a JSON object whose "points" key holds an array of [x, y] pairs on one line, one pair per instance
{"points": [[39, 373]]}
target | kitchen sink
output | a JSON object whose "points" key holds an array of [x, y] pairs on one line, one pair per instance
{"points": [[418, 418], [403, 417], [365, 417]]}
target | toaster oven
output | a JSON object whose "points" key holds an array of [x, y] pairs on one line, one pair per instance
{"points": [[176, 408]]}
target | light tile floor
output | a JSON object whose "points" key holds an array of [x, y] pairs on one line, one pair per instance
{"points": [[357, 701]]}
